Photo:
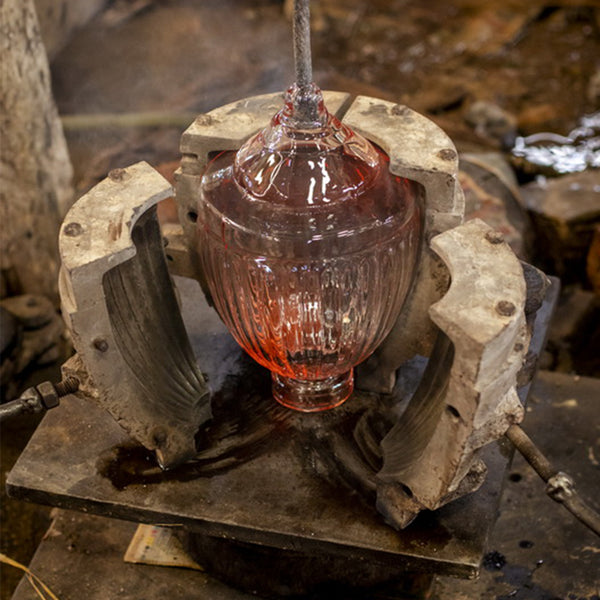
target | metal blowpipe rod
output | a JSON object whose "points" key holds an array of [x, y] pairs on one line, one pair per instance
{"points": [[306, 101], [302, 55]]}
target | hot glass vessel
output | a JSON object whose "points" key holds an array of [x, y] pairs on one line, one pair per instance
{"points": [[308, 245]]}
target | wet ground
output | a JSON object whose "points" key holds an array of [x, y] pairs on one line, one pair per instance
{"points": [[486, 71]]}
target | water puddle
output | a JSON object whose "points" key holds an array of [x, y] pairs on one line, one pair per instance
{"points": [[554, 154]]}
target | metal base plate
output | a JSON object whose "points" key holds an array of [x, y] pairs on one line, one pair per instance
{"points": [[537, 550], [80, 458]]}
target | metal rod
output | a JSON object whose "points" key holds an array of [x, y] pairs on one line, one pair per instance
{"points": [[20, 406], [38, 399], [530, 452], [560, 486], [67, 386], [302, 54]]}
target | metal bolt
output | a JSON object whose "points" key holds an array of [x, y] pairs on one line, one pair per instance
{"points": [[447, 154], [117, 174], [48, 394], [494, 237], [67, 386], [159, 436], [205, 120], [100, 344], [51, 394], [399, 110], [37, 399], [505, 308], [73, 229]]}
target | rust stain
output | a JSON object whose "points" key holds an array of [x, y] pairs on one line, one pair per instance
{"points": [[115, 228]]}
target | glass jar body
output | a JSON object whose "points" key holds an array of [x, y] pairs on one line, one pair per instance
{"points": [[309, 289]]}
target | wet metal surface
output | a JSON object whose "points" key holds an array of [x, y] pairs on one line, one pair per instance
{"points": [[537, 551], [271, 497]]}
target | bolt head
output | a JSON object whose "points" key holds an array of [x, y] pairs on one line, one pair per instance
{"points": [[100, 344], [505, 308], [48, 393], [73, 229], [117, 174], [447, 154], [494, 237]]}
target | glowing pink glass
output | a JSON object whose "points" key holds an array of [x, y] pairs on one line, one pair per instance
{"points": [[308, 244]]}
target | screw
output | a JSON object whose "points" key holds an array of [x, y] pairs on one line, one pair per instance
{"points": [[399, 110], [117, 174], [205, 120], [505, 308], [100, 344], [67, 386], [50, 394], [159, 436], [447, 154], [73, 229], [494, 237]]}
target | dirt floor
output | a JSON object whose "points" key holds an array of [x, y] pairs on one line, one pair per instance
{"points": [[486, 71]]}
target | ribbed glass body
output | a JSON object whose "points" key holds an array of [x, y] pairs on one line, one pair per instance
{"points": [[308, 245]]}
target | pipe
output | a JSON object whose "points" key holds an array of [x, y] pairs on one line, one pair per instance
{"points": [[38, 399], [559, 486], [302, 54]]}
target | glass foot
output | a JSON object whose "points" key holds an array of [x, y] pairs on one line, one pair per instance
{"points": [[313, 396]]}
